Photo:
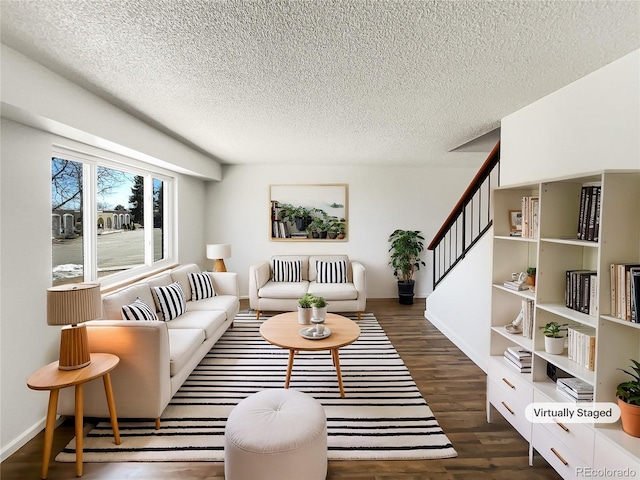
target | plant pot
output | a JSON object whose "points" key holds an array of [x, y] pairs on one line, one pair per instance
{"points": [[630, 418], [304, 315], [531, 280], [554, 345], [323, 234], [405, 292], [332, 235], [319, 313]]}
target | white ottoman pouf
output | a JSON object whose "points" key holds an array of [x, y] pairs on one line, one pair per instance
{"points": [[276, 434]]}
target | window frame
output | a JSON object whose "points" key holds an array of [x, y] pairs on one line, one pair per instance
{"points": [[90, 163]]}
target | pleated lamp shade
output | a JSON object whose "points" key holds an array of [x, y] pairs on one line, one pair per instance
{"points": [[219, 252], [70, 305]]}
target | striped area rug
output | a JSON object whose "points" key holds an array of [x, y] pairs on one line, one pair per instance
{"points": [[383, 416]]}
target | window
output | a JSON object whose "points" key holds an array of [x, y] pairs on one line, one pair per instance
{"points": [[106, 220]]}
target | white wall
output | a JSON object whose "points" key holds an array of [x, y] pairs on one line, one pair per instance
{"points": [[591, 124], [381, 199]]}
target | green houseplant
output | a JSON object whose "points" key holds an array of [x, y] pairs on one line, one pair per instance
{"points": [[319, 306], [628, 394], [553, 337], [305, 310], [406, 247]]}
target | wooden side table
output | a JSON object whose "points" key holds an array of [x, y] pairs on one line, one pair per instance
{"points": [[53, 379]]}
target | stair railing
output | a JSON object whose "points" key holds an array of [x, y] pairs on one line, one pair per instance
{"points": [[468, 221]]}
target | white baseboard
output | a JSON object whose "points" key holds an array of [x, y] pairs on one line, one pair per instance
{"points": [[458, 341], [26, 436]]}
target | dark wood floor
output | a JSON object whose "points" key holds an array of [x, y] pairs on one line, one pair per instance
{"points": [[453, 386]]}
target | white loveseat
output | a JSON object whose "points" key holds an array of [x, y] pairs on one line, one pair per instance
{"points": [[266, 293], [156, 357]]}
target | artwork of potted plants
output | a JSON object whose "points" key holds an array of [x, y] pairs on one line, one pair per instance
{"points": [[628, 394], [305, 309], [406, 247], [554, 338]]}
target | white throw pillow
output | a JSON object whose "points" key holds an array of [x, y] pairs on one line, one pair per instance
{"points": [[171, 301]]}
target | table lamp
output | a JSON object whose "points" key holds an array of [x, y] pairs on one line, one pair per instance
{"points": [[219, 252], [70, 305]]}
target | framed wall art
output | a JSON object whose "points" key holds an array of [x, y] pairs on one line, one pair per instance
{"points": [[308, 212]]}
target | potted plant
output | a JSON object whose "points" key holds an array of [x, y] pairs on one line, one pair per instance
{"points": [[628, 394], [305, 309], [531, 276], [406, 247], [319, 306], [554, 338]]}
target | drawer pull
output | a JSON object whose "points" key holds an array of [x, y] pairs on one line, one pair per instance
{"points": [[561, 425], [507, 407], [508, 383], [559, 456]]}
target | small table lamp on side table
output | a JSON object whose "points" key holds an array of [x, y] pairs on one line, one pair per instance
{"points": [[219, 252], [70, 305]]}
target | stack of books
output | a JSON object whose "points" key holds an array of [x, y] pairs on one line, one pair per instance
{"points": [[625, 291], [575, 389], [589, 216], [582, 346], [581, 291], [513, 285], [518, 358], [530, 207]]}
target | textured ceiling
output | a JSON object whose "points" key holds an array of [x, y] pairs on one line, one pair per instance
{"points": [[325, 81]]}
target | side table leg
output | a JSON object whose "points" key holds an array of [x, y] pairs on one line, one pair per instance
{"points": [[112, 407], [48, 431], [79, 427]]}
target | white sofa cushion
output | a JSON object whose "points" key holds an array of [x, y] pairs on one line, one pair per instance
{"points": [[333, 291], [225, 303], [313, 274], [208, 322], [284, 289], [183, 343]]}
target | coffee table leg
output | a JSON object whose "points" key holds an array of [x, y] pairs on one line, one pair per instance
{"points": [[336, 362], [48, 430], [292, 354]]}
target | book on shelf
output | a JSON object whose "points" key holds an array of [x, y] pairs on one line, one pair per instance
{"points": [[571, 395], [518, 366], [635, 294], [530, 211], [581, 342], [575, 386], [520, 362], [527, 318], [581, 291], [589, 213], [623, 302], [519, 352], [518, 286]]}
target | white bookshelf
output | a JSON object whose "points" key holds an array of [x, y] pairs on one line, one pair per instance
{"points": [[555, 251]]}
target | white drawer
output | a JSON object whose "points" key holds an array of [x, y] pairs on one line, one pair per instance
{"points": [[511, 405], [509, 379], [608, 455], [579, 437], [563, 459]]}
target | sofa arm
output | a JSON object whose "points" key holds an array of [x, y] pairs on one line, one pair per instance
{"points": [[359, 279], [141, 381], [259, 275], [225, 283]]}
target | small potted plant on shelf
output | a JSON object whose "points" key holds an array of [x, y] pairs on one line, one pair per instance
{"points": [[319, 306], [531, 276], [554, 338], [628, 394], [305, 309]]}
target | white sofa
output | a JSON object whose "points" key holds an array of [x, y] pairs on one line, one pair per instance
{"points": [[265, 294], [156, 357]]}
